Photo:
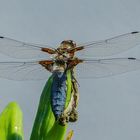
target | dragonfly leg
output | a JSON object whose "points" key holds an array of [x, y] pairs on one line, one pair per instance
{"points": [[74, 114]]}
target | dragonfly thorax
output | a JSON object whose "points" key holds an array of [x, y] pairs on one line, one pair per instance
{"points": [[59, 65], [64, 50]]}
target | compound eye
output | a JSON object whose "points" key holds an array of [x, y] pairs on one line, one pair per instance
{"points": [[73, 43], [70, 41]]}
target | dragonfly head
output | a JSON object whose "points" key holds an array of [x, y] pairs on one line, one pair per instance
{"points": [[67, 44]]}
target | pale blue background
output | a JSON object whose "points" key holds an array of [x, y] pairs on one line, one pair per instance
{"points": [[109, 108]]}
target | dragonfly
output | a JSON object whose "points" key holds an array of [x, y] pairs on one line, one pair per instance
{"points": [[87, 60]]}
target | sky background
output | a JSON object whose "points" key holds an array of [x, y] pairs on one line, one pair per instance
{"points": [[109, 108]]}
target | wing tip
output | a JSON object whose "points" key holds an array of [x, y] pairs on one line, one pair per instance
{"points": [[135, 32], [132, 58], [1, 37]]}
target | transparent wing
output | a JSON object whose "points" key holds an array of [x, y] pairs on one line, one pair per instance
{"points": [[18, 49], [106, 67], [110, 46], [23, 71]]}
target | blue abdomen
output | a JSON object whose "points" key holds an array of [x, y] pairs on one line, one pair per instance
{"points": [[58, 93]]}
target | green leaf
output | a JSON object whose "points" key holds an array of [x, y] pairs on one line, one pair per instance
{"points": [[11, 123], [45, 127]]}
